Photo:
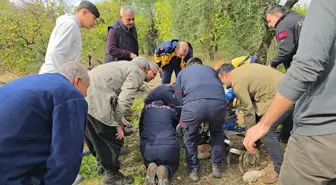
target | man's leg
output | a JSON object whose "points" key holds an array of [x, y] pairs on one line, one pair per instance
{"points": [[272, 142], [167, 73], [216, 113], [107, 148], [309, 160], [177, 68], [287, 127], [190, 117]]}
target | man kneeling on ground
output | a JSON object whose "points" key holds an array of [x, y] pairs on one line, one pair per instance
{"points": [[158, 144]]}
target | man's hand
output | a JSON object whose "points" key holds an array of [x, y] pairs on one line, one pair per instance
{"points": [[133, 55], [120, 133], [254, 134]]}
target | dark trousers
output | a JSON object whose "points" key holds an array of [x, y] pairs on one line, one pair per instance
{"points": [[167, 155], [196, 112], [272, 142], [168, 71], [103, 144]]}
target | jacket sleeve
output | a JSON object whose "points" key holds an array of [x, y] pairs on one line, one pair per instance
{"points": [[286, 46], [68, 126], [112, 44], [317, 38], [178, 89], [243, 95], [128, 92], [61, 44]]}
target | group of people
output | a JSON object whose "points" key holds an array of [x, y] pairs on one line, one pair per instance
{"points": [[45, 118]]}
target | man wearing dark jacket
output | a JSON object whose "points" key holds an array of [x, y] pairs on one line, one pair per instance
{"points": [[122, 39], [287, 26], [42, 123], [201, 94], [158, 144]]}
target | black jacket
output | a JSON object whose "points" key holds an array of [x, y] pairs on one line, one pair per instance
{"points": [[120, 43], [287, 33]]}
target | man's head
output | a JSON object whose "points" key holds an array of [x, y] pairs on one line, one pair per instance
{"points": [[77, 74], [127, 16], [224, 73], [193, 61], [154, 69], [87, 13], [182, 49], [273, 15], [143, 64]]}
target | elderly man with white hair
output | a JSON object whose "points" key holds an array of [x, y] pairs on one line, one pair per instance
{"points": [[42, 123], [113, 88], [121, 38]]}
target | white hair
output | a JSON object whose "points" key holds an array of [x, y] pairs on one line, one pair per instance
{"points": [[71, 70], [141, 61], [153, 65], [126, 8]]}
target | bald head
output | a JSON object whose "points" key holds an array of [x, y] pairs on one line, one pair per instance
{"points": [[77, 74], [182, 49]]}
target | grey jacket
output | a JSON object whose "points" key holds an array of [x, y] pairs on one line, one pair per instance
{"points": [[310, 81], [113, 87]]}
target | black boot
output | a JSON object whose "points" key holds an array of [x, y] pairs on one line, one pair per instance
{"points": [[116, 178]]}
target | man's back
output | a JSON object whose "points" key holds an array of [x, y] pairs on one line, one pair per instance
{"points": [[29, 110], [157, 124], [261, 82], [198, 82]]}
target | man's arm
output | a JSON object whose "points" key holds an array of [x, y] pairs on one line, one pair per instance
{"points": [[69, 122], [286, 46], [112, 44], [61, 44], [242, 93], [178, 89], [317, 38], [129, 90]]}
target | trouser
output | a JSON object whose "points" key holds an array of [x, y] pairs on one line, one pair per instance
{"points": [[272, 142], [309, 160], [287, 127], [194, 113], [167, 155], [103, 144], [168, 71]]}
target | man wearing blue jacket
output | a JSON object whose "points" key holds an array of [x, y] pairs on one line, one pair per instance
{"points": [[201, 93], [42, 123], [158, 144]]}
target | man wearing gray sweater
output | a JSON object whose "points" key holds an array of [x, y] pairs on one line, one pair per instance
{"points": [[309, 83]]}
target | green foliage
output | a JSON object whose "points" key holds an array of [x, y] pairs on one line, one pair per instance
{"points": [[216, 29], [89, 167]]}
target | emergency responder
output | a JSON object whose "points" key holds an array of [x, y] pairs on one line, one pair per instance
{"points": [[158, 144], [202, 99], [255, 86], [171, 56], [287, 24]]}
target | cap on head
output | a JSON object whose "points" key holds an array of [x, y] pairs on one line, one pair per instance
{"points": [[90, 7]]}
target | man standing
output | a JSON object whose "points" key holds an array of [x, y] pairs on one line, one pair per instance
{"points": [[201, 94], [171, 56], [310, 155], [255, 85], [42, 123], [113, 88], [287, 26], [65, 43], [122, 39]]}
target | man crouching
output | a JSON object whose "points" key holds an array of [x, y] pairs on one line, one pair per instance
{"points": [[158, 145]]}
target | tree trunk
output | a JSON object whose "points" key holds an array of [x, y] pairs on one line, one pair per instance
{"points": [[267, 38]]}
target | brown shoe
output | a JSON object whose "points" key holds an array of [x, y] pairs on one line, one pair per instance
{"points": [[270, 177]]}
